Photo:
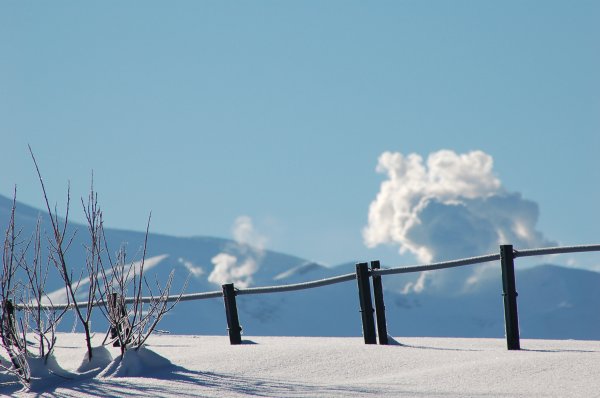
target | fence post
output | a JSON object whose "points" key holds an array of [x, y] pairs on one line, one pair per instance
{"points": [[366, 305], [511, 319], [9, 332], [379, 305], [233, 322], [112, 306], [9, 326]]}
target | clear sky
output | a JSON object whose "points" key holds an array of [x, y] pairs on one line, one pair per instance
{"points": [[205, 111]]}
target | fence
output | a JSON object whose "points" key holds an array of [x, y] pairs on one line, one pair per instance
{"points": [[366, 276]]}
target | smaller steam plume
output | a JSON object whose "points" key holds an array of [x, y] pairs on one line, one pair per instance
{"points": [[240, 267]]}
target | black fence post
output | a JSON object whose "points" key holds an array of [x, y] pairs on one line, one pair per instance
{"points": [[112, 306], [9, 329], [366, 305], [233, 322], [511, 318], [379, 305], [11, 336], [118, 312]]}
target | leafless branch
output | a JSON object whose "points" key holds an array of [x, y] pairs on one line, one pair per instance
{"points": [[59, 256], [10, 329], [43, 321]]}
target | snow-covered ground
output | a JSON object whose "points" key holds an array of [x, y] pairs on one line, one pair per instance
{"points": [[207, 366]]}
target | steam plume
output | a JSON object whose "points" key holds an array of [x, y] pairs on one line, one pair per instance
{"points": [[240, 267], [450, 207]]}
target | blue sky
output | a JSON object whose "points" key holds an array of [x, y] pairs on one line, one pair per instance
{"points": [[205, 111]]}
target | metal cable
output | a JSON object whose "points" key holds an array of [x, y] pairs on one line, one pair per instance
{"points": [[556, 250], [128, 300], [297, 286], [184, 297], [434, 266]]}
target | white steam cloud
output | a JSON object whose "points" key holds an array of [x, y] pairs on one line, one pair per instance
{"points": [[240, 268], [450, 207]]}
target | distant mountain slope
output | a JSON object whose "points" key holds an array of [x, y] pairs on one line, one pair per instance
{"points": [[554, 302]]}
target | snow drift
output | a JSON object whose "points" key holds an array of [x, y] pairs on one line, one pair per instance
{"points": [[284, 367]]}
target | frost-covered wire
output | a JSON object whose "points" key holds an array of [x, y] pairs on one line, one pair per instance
{"points": [[557, 250], [297, 286], [434, 266]]}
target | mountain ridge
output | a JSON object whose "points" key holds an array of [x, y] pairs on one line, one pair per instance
{"points": [[554, 301]]}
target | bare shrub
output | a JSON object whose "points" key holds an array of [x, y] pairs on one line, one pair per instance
{"points": [[11, 334], [108, 284], [131, 326], [29, 298], [58, 249], [39, 314]]}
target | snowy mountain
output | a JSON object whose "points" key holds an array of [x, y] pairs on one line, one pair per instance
{"points": [[554, 302]]}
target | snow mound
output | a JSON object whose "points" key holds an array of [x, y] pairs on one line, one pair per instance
{"points": [[101, 358], [6, 377], [46, 373], [136, 363]]}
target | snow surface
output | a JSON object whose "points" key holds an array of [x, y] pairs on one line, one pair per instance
{"points": [[207, 366]]}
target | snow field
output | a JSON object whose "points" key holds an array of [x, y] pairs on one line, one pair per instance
{"points": [[207, 366]]}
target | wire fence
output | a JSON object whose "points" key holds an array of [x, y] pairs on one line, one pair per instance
{"points": [[364, 276], [343, 278]]}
